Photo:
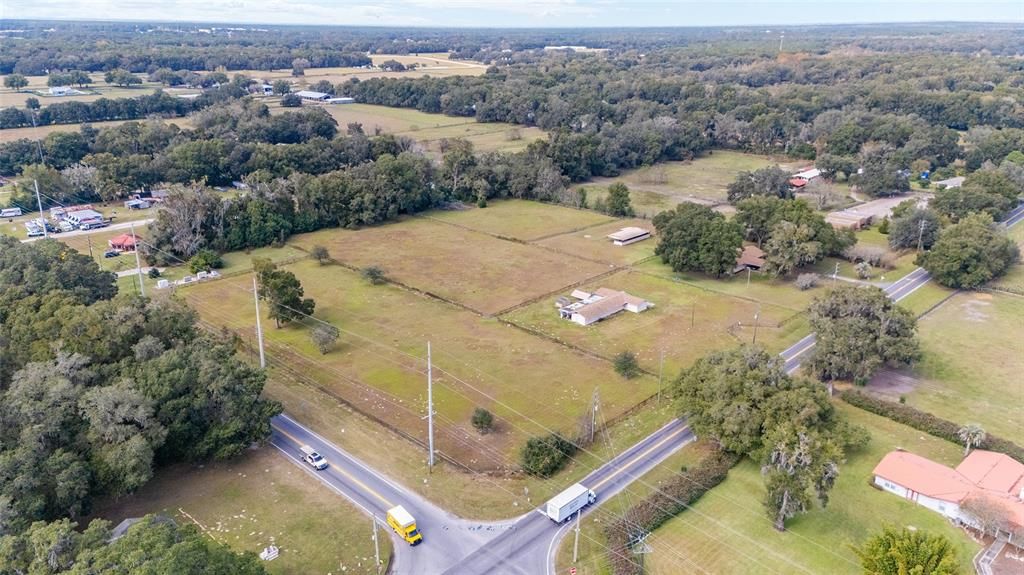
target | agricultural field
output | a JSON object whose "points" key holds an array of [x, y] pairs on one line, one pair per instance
{"points": [[256, 500], [430, 129], [686, 323], [727, 531], [703, 180], [525, 220], [379, 363], [435, 65], [38, 89], [970, 370], [592, 243], [470, 268]]}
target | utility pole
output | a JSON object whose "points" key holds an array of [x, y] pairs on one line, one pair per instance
{"points": [[693, 312], [748, 276], [755, 327], [430, 412], [920, 235], [593, 414], [138, 264], [39, 202], [89, 239], [661, 371], [835, 274], [259, 326], [376, 545], [782, 37], [576, 542]]}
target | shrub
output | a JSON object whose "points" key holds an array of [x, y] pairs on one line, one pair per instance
{"points": [[883, 227], [324, 337], [320, 254], [291, 101], [670, 500], [374, 275], [863, 270], [926, 422], [153, 273], [545, 456], [483, 420], [807, 281], [626, 365], [876, 257], [204, 261]]}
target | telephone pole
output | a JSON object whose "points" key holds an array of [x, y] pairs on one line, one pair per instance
{"points": [[920, 235], [138, 264], [259, 326], [754, 342], [39, 202], [593, 413], [576, 542], [430, 411], [376, 544], [782, 37], [89, 239], [835, 274], [661, 371]]}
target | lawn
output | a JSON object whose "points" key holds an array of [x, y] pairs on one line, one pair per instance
{"points": [[593, 243], [470, 268], [686, 323], [258, 499], [970, 371], [704, 180], [727, 530], [521, 219], [379, 364]]}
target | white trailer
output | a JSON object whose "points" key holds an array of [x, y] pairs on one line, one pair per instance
{"points": [[568, 502]]}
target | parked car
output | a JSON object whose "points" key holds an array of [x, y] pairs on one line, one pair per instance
{"points": [[111, 253]]}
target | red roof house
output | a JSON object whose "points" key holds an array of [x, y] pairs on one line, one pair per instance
{"points": [[123, 242]]}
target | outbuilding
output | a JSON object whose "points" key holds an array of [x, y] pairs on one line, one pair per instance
{"points": [[629, 235], [311, 96]]}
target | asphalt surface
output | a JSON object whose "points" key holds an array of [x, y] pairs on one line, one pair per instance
{"points": [[525, 545], [111, 227]]}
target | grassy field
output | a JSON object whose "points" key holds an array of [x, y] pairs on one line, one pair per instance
{"points": [[470, 268], [592, 555], [705, 179], [11, 134], [430, 129], [686, 323], [593, 243], [431, 64], [38, 89], [972, 363], [727, 531], [379, 363], [259, 499], [523, 220]]}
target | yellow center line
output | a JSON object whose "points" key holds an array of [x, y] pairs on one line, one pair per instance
{"points": [[351, 478], [638, 457]]}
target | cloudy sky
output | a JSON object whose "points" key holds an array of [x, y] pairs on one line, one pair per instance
{"points": [[519, 13]]}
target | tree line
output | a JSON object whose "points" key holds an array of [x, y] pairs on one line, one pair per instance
{"points": [[98, 391]]}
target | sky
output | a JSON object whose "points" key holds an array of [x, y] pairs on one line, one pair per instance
{"points": [[519, 13]]}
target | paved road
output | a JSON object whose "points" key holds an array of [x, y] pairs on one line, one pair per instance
{"points": [[524, 545], [111, 227]]}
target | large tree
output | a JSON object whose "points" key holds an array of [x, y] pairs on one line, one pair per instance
{"points": [[791, 246], [696, 238], [970, 253], [617, 204], [15, 81], [906, 552], [859, 329], [770, 181], [917, 229], [283, 291], [800, 465], [760, 215]]}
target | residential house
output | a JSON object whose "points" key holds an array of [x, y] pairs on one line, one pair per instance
{"points": [[751, 258], [136, 204], [995, 478], [123, 242], [603, 303], [629, 235]]}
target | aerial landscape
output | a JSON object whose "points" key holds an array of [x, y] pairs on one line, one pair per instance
{"points": [[484, 287]]}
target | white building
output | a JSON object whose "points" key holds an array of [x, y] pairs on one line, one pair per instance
{"points": [[310, 96], [630, 235], [341, 100], [81, 218], [593, 307], [994, 477]]}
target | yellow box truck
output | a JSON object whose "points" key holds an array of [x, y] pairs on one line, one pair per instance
{"points": [[404, 524]]}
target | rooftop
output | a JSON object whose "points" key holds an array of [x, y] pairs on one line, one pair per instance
{"points": [[628, 234]]}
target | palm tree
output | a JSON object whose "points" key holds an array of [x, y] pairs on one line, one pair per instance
{"points": [[971, 435]]}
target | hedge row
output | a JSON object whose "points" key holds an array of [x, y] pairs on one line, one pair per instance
{"points": [[926, 422], [671, 500]]}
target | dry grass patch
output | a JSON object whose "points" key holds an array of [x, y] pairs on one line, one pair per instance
{"points": [[593, 243], [686, 322], [521, 219], [470, 268], [11, 134], [529, 383]]}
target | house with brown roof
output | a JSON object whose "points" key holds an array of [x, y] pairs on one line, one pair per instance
{"points": [[602, 303], [751, 258], [993, 478]]}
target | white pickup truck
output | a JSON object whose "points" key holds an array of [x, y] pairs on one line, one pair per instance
{"points": [[313, 458]]}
